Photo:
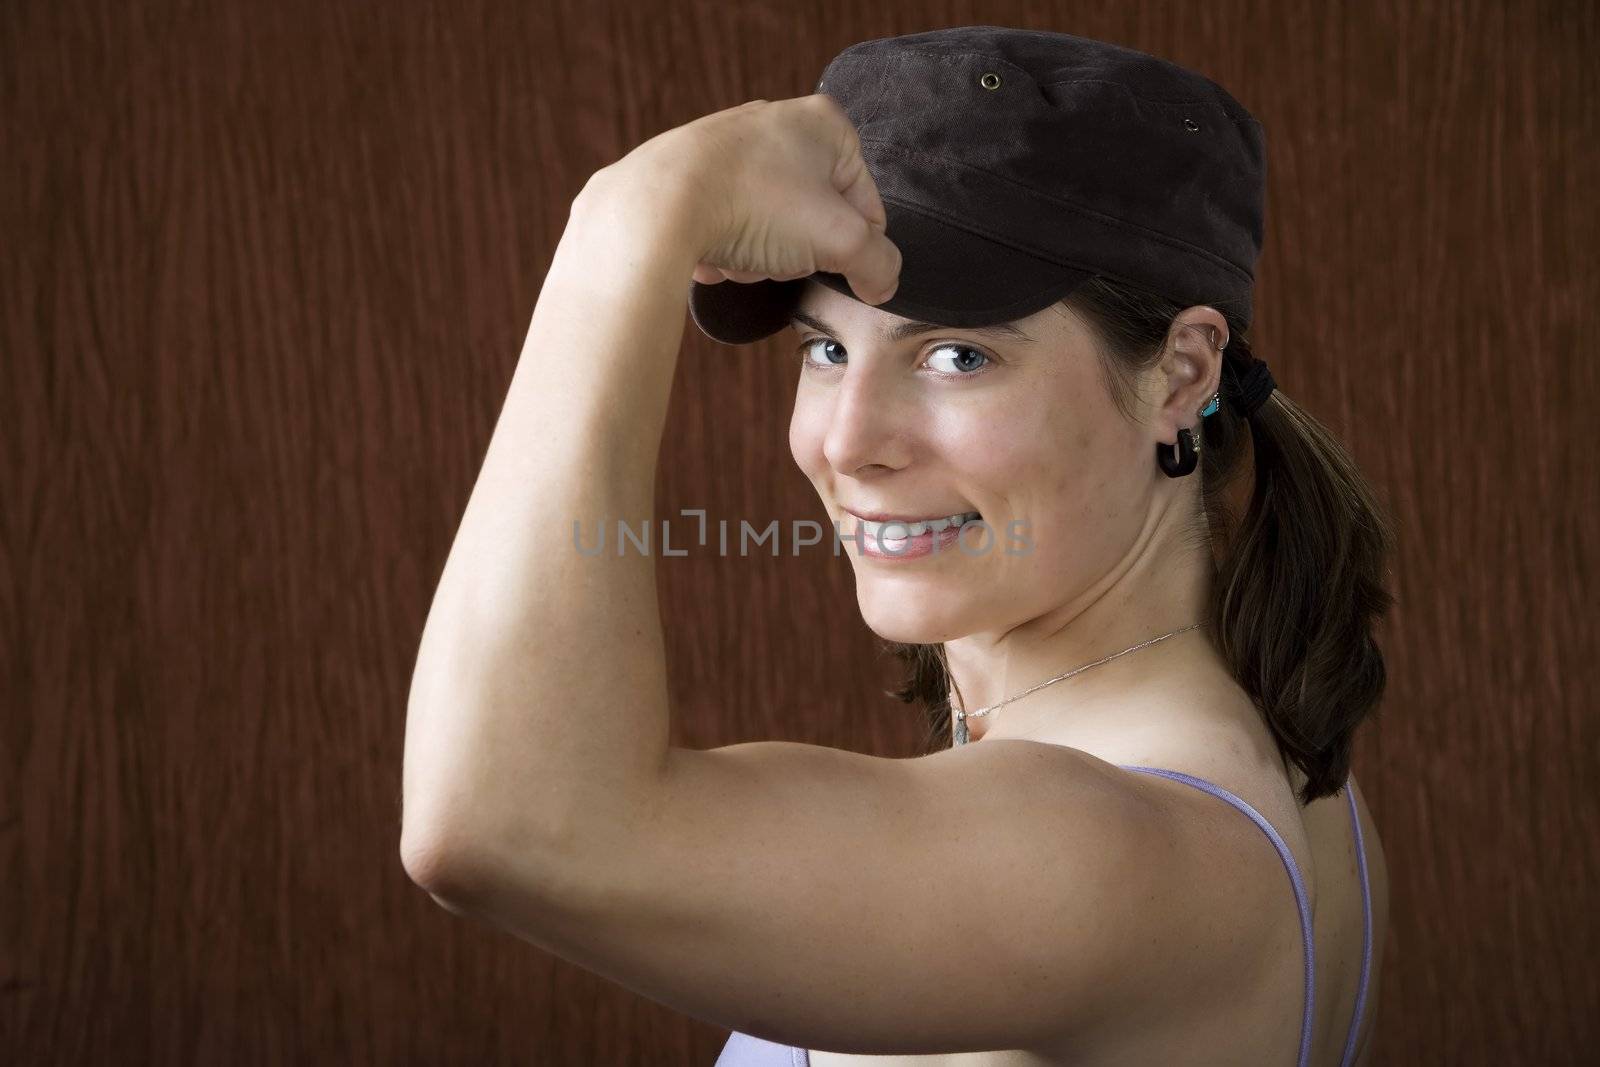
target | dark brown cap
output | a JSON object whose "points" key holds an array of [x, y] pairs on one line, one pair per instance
{"points": [[1015, 164]]}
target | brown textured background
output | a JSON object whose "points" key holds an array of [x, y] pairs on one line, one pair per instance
{"points": [[264, 272]]}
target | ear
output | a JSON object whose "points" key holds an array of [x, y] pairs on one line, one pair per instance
{"points": [[1191, 369]]}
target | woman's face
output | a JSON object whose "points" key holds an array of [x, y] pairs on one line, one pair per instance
{"points": [[960, 420]]}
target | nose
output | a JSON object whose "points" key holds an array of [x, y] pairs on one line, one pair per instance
{"points": [[872, 422]]}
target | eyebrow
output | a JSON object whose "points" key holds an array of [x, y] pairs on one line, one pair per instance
{"points": [[911, 328]]}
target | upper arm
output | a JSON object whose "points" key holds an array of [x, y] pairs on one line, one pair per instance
{"points": [[1007, 894]]}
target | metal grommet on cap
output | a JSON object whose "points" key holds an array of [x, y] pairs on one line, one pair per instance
{"points": [[1190, 124], [990, 80]]}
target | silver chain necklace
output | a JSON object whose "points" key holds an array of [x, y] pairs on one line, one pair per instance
{"points": [[960, 715]]}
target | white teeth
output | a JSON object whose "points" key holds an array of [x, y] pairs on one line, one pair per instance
{"points": [[902, 530]]}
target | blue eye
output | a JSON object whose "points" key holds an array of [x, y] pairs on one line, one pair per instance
{"points": [[805, 347], [966, 367]]}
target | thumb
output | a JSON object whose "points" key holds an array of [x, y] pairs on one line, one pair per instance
{"points": [[873, 269], [860, 250]]}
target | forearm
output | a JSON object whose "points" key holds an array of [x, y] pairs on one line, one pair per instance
{"points": [[538, 705]]}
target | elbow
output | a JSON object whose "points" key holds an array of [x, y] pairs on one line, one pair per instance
{"points": [[435, 862], [515, 877]]}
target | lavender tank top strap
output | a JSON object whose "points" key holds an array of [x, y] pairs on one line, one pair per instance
{"points": [[1294, 877], [742, 1050], [1366, 930]]}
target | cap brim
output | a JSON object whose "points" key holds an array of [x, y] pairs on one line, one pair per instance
{"points": [[948, 276]]}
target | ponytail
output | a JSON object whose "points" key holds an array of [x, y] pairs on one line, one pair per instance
{"points": [[1300, 541]]}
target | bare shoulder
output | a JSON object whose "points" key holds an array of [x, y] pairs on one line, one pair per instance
{"points": [[1241, 760]]}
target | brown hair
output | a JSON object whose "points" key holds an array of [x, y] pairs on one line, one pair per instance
{"points": [[1300, 576]]}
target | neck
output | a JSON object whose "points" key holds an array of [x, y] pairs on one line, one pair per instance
{"points": [[1149, 594]]}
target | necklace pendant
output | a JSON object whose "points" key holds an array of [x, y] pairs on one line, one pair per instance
{"points": [[959, 728]]}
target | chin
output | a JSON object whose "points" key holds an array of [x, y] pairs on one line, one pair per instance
{"points": [[896, 615], [911, 635]]}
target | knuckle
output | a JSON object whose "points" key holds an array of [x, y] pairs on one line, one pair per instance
{"points": [[853, 236], [862, 231], [825, 102], [827, 108]]}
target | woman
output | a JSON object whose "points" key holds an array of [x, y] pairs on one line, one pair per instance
{"points": [[1014, 262]]}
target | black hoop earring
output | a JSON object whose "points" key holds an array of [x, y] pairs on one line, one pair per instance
{"points": [[1186, 459]]}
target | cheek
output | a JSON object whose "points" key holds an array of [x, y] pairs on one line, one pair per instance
{"points": [[1035, 458], [1007, 449], [1060, 477]]}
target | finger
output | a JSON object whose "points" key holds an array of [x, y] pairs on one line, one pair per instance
{"points": [[855, 184], [869, 260], [850, 176], [712, 275], [875, 269], [887, 254]]}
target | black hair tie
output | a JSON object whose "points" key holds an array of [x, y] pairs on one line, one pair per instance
{"points": [[1253, 384]]}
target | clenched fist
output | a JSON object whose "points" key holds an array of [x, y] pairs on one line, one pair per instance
{"points": [[778, 189]]}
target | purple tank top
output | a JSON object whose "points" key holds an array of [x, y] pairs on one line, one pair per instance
{"points": [[743, 1050]]}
